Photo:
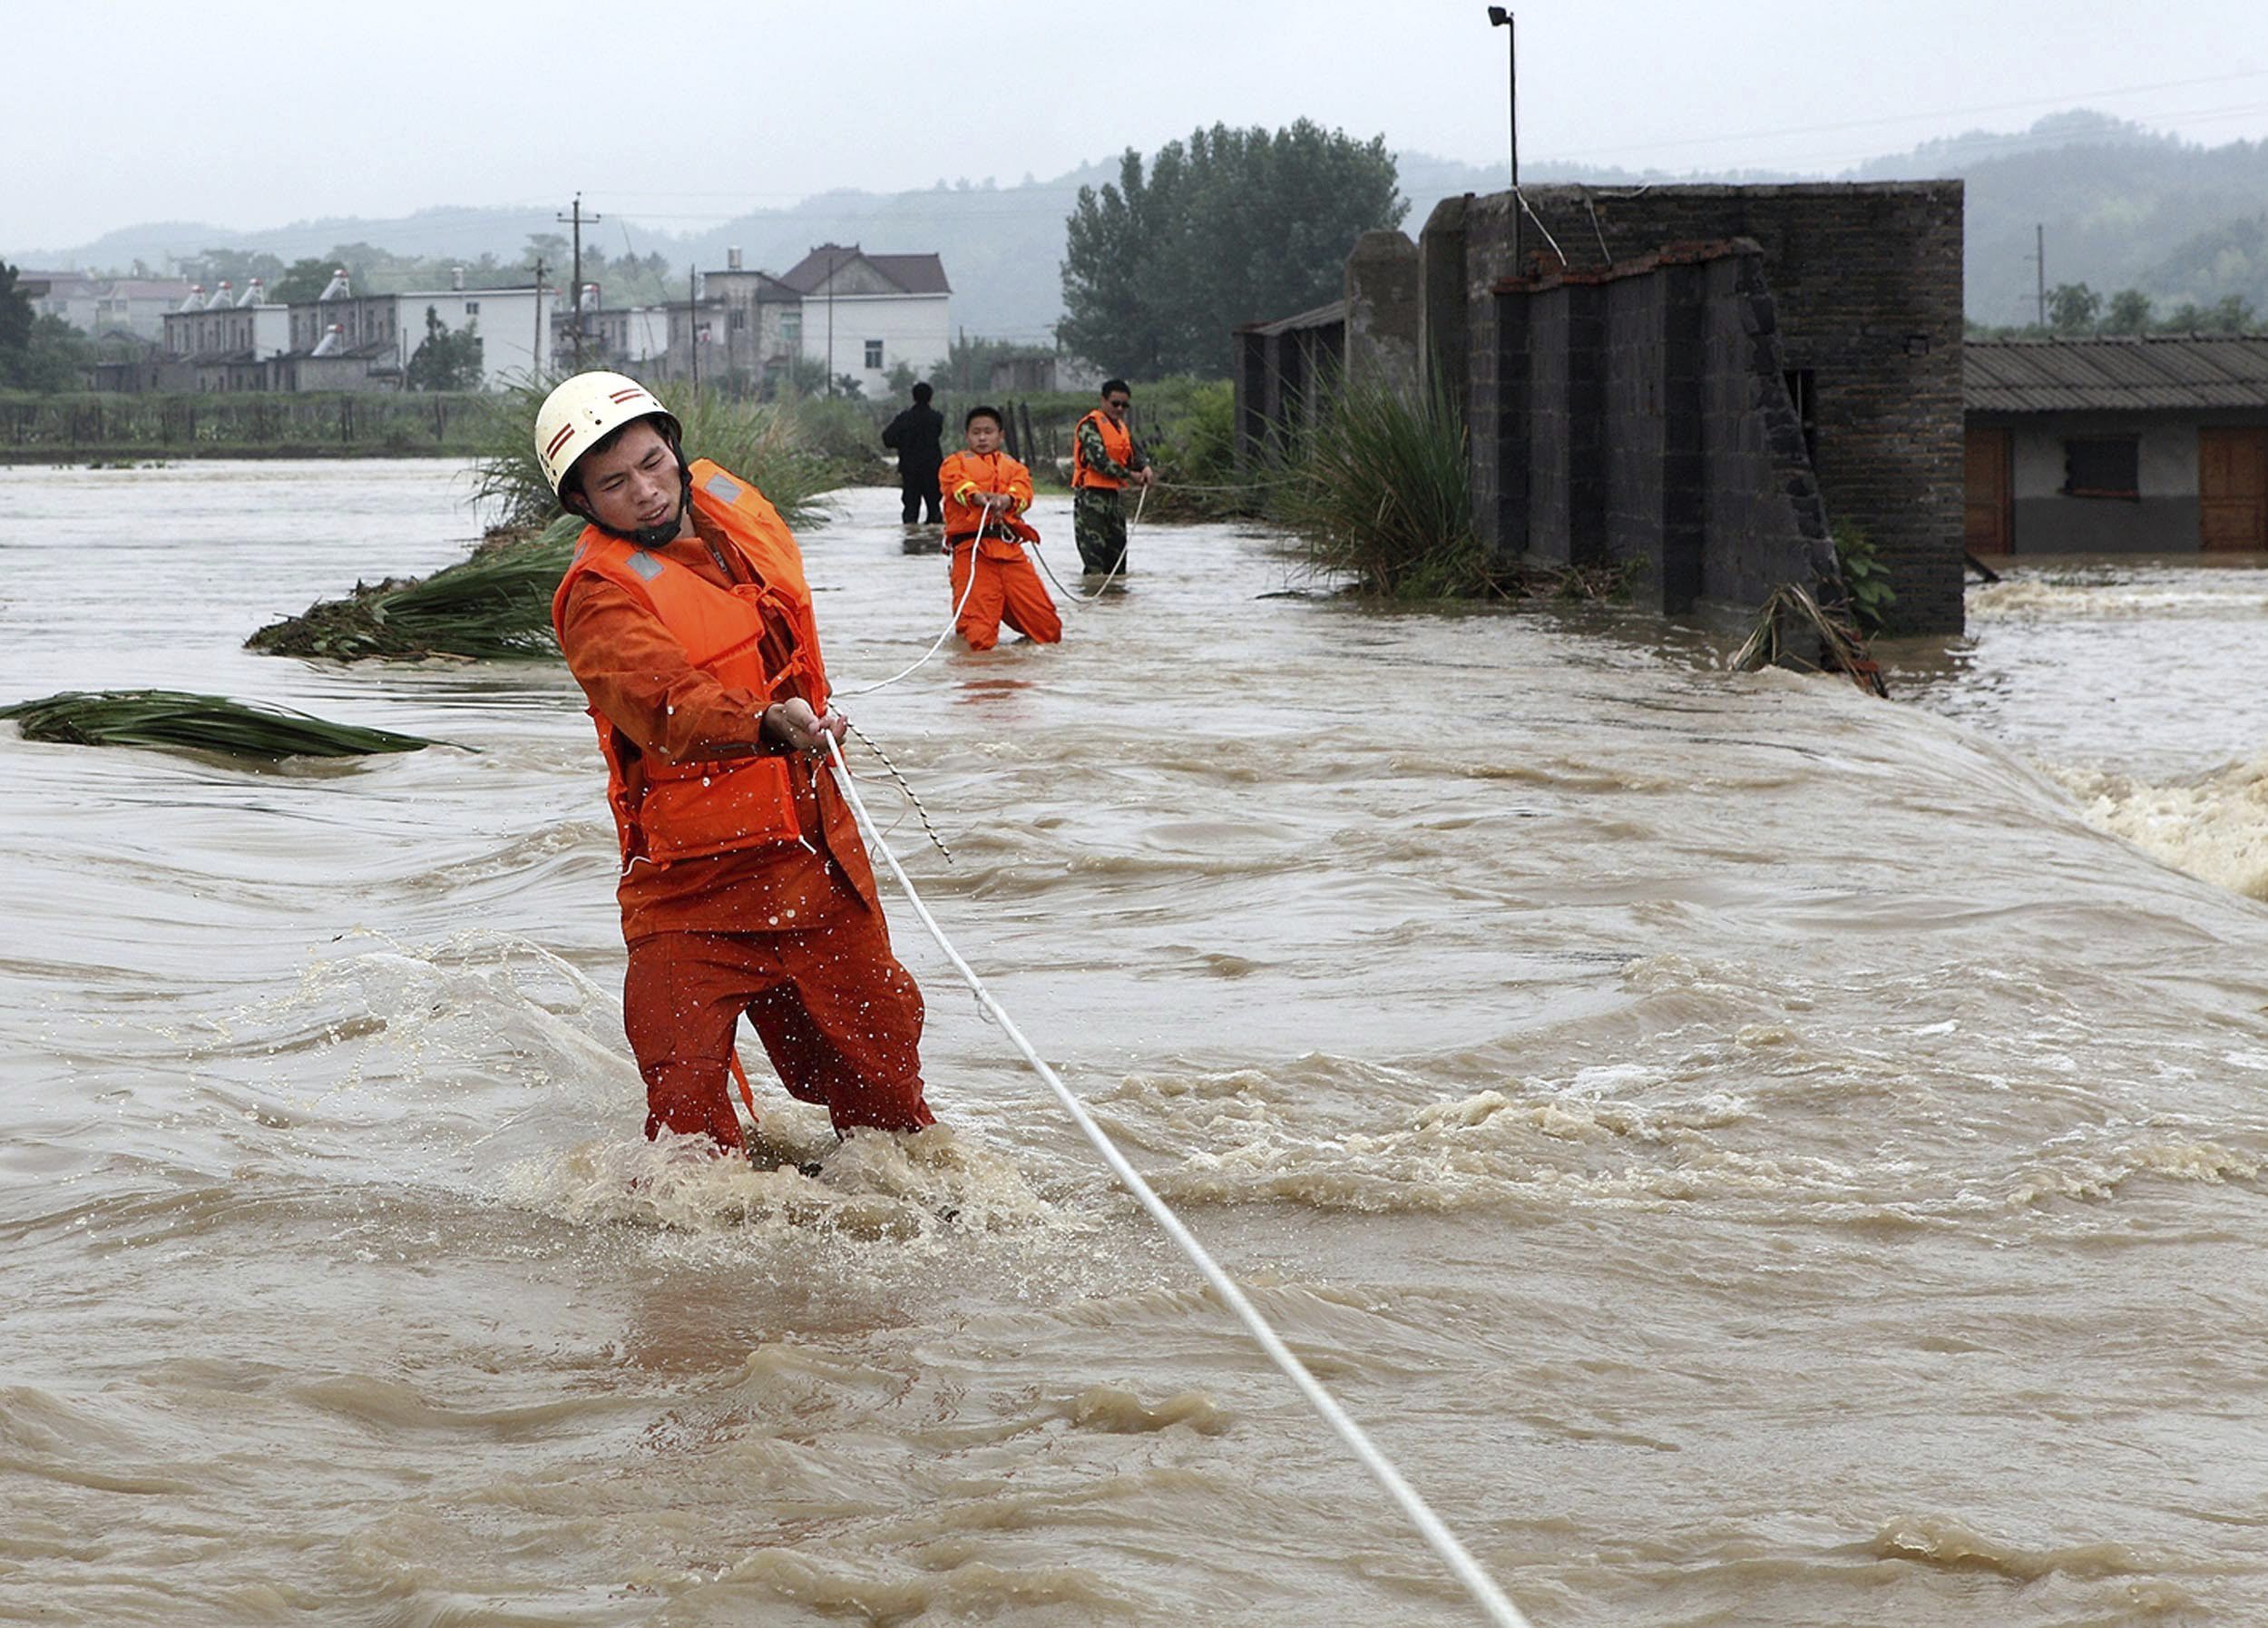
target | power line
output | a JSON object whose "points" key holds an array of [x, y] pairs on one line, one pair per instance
{"points": [[2064, 99]]}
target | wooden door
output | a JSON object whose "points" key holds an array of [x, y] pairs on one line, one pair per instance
{"points": [[1987, 523], [2232, 488]]}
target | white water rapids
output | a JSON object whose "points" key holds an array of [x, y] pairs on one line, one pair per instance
{"points": [[1752, 1153]]}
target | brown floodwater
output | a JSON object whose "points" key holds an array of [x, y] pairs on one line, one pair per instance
{"points": [[1752, 1153]]}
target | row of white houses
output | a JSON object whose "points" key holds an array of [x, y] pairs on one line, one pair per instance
{"points": [[840, 311]]}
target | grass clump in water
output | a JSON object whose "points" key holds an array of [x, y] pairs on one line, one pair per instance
{"points": [[494, 606], [175, 718], [1379, 492]]}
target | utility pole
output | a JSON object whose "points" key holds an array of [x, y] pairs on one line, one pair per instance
{"points": [[574, 321], [1501, 18], [535, 357], [2039, 264], [693, 324], [830, 322]]}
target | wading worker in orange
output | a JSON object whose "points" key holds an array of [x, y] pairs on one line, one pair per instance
{"points": [[986, 493], [745, 887]]}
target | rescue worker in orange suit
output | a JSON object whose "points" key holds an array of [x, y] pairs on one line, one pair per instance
{"points": [[986, 493], [1104, 461], [745, 887]]}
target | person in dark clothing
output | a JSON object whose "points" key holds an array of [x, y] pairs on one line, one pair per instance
{"points": [[915, 435]]}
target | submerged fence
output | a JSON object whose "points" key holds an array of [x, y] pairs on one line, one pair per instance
{"points": [[245, 425]]}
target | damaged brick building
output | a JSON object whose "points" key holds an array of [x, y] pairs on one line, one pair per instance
{"points": [[1700, 380]]}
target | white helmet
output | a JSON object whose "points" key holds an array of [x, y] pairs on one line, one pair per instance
{"points": [[586, 410]]}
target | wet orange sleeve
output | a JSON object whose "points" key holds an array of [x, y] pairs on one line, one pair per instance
{"points": [[638, 676], [957, 472], [1018, 485]]}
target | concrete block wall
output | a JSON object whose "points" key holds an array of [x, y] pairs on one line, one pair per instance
{"points": [[1761, 492], [1382, 309], [1634, 425], [1867, 283], [1285, 380], [1644, 421]]}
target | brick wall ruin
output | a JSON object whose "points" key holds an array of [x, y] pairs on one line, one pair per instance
{"points": [[1864, 286]]}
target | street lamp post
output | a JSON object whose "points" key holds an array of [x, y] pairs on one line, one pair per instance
{"points": [[1501, 18]]}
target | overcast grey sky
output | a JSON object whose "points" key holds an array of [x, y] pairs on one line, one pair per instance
{"points": [[257, 115]]}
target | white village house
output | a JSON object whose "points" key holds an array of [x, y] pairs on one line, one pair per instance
{"points": [[839, 309], [102, 306], [340, 340], [839, 312]]}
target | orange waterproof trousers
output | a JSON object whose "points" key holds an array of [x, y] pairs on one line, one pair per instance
{"points": [[840, 1019], [1007, 590]]}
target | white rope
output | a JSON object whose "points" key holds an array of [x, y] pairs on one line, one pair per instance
{"points": [[1540, 227], [1081, 601], [1443, 1542], [954, 622]]}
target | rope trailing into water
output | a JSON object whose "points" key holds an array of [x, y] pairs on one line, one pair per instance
{"points": [[1080, 602], [1468, 1571], [951, 623], [936, 841]]}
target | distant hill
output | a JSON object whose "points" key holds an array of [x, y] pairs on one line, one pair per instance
{"points": [[2123, 207], [447, 230]]}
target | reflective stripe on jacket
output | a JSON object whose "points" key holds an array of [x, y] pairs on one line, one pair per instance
{"points": [[967, 474]]}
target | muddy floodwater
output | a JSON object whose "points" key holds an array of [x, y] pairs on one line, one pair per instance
{"points": [[1752, 1155]]}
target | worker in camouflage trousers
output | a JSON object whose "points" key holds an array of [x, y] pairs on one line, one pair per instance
{"points": [[1104, 462]]}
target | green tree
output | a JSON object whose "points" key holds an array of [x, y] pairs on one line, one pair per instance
{"points": [[2232, 314], [56, 357], [15, 316], [38, 353], [556, 253], [444, 361], [1232, 226], [968, 368], [2072, 308], [235, 266], [301, 281], [2129, 313]]}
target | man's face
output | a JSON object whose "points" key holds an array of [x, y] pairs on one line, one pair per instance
{"points": [[633, 488], [1114, 404], [982, 435]]}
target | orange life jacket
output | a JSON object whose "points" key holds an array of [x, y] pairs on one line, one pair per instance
{"points": [[1116, 440], [965, 518], [665, 811]]}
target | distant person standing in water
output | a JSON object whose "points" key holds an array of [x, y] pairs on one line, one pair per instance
{"points": [[986, 494], [917, 436], [1105, 461]]}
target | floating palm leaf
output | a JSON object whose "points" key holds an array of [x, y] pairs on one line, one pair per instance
{"points": [[174, 717]]}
